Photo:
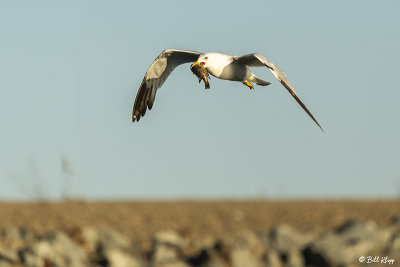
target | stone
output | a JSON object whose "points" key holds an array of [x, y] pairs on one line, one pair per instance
{"points": [[244, 257], [12, 233], [394, 249], [5, 264], [169, 237], [284, 238], [283, 246], [168, 246], [172, 264], [29, 258], [288, 243], [271, 258], [200, 258], [15, 237], [60, 250], [9, 255], [118, 258], [108, 247], [345, 244], [165, 253], [108, 238], [90, 238], [249, 240]]}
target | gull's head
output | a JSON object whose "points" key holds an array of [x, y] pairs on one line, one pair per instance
{"points": [[202, 61]]}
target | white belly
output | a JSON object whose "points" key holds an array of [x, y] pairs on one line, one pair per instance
{"points": [[222, 67], [234, 72]]}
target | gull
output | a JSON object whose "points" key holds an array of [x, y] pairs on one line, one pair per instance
{"points": [[222, 66]]}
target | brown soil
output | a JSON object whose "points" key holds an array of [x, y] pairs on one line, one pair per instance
{"points": [[140, 220]]}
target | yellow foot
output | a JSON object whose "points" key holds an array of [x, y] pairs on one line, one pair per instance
{"points": [[248, 84]]}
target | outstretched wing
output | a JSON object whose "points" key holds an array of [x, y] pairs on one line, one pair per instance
{"points": [[155, 77], [257, 60]]}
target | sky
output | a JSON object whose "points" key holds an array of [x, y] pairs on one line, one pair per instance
{"points": [[70, 71]]}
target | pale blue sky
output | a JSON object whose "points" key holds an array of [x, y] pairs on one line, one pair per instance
{"points": [[69, 73]]}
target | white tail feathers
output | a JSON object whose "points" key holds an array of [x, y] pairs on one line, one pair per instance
{"points": [[260, 82]]}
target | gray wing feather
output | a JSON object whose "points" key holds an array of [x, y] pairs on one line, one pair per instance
{"points": [[155, 77], [257, 60]]}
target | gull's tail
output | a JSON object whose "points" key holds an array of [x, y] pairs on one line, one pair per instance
{"points": [[260, 82]]}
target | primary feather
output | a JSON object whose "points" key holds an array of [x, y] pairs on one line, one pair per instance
{"points": [[155, 77]]}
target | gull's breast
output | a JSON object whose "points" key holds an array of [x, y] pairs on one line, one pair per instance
{"points": [[231, 71], [222, 66]]}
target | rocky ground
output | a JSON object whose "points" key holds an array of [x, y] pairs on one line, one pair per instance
{"points": [[203, 233]]}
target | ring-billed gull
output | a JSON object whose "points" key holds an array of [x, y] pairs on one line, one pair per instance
{"points": [[222, 66]]}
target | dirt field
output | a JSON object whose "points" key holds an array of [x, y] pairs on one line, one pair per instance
{"points": [[140, 220]]}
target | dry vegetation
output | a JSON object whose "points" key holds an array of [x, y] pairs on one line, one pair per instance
{"points": [[139, 220]]}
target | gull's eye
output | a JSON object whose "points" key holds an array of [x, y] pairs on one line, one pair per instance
{"points": [[206, 58]]}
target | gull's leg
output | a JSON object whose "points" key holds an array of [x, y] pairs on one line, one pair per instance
{"points": [[248, 84]]}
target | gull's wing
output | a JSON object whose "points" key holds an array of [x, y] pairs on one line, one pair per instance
{"points": [[155, 77], [257, 60]]}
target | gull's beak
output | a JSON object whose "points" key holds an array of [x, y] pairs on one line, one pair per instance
{"points": [[194, 64]]}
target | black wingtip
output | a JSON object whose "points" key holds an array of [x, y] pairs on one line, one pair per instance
{"points": [[298, 100], [134, 119], [140, 105], [320, 126]]}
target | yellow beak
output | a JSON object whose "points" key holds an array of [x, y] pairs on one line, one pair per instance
{"points": [[194, 64]]}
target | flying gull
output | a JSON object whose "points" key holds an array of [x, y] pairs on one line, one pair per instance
{"points": [[222, 66]]}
